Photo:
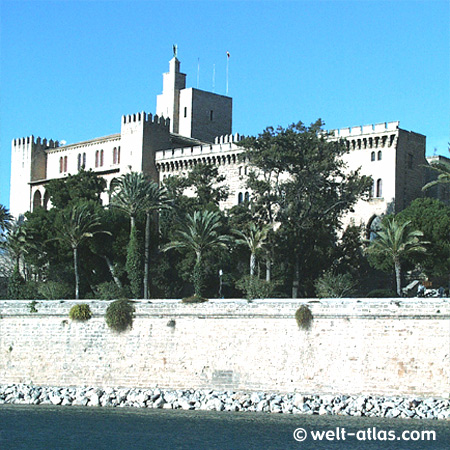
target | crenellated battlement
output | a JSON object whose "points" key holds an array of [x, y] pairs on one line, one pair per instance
{"points": [[31, 140], [223, 144], [147, 118], [228, 138], [366, 129]]}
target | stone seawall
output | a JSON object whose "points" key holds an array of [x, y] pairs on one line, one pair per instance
{"points": [[372, 347]]}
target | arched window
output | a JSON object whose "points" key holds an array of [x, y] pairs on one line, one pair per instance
{"points": [[114, 155], [101, 158], [37, 198], [379, 188], [84, 160], [240, 198], [118, 155], [247, 197], [379, 156], [61, 164], [97, 153], [65, 163], [372, 156], [79, 161]]}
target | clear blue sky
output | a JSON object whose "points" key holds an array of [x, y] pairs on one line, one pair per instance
{"points": [[71, 69]]}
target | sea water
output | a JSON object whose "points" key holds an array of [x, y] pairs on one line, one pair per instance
{"points": [[89, 428]]}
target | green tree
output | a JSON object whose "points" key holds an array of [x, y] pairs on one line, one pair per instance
{"points": [[86, 185], [77, 224], [200, 234], [134, 266], [432, 217], [254, 238], [6, 219], [442, 170], [301, 183], [129, 193], [156, 200], [394, 242]]}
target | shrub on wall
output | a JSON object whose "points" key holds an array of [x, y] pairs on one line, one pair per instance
{"points": [[119, 315], [80, 313], [304, 317]]}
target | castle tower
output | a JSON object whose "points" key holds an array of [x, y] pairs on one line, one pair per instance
{"points": [[168, 103], [192, 112], [28, 165]]}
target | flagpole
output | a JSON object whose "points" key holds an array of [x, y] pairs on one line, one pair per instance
{"points": [[228, 59]]}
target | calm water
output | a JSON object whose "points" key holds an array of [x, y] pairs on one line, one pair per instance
{"points": [[68, 428]]}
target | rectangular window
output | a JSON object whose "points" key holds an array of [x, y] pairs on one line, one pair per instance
{"points": [[211, 115], [185, 111]]}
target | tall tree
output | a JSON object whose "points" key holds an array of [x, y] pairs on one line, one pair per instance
{"points": [[301, 183], [77, 225], [394, 242], [156, 200], [253, 237], [129, 193], [199, 234], [6, 219]]}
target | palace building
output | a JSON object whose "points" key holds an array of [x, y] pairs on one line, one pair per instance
{"points": [[192, 126]]}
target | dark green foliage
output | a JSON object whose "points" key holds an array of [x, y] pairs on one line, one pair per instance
{"points": [[382, 293], [84, 186], [432, 217], [304, 317], [253, 287], [80, 312], [55, 290], [134, 265], [194, 299], [16, 285], [19, 289], [296, 185], [331, 285], [119, 315], [110, 291]]}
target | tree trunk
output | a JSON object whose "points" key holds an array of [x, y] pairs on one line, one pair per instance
{"points": [[296, 280], [147, 256], [77, 276], [112, 271], [252, 264], [268, 268], [398, 277]]}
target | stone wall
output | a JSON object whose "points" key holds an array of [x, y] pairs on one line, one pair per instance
{"points": [[378, 347]]}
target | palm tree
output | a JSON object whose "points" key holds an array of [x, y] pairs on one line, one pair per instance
{"points": [[134, 192], [394, 241], [200, 234], [129, 193], [78, 225], [443, 171], [156, 199], [6, 219], [254, 238]]}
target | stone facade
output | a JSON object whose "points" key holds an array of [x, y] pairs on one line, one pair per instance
{"points": [[193, 126], [377, 347]]}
